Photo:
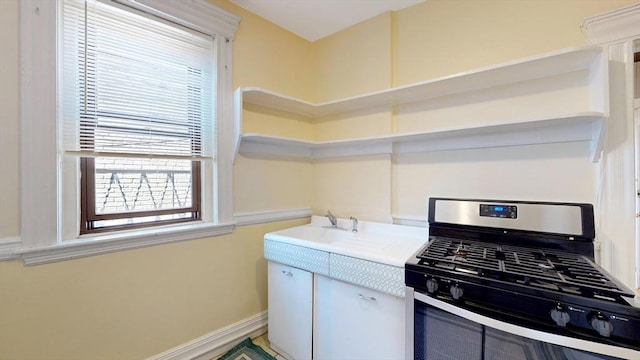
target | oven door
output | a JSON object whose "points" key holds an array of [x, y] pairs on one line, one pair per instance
{"points": [[437, 330]]}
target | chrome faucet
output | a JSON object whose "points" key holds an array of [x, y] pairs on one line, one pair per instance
{"points": [[332, 219], [355, 224]]}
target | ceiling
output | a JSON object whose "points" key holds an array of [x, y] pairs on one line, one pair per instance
{"points": [[315, 19]]}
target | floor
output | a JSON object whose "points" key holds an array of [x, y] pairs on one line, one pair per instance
{"points": [[263, 342]]}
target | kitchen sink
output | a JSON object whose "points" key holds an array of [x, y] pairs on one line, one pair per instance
{"points": [[384, 243]]}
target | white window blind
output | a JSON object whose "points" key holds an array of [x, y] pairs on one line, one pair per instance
{"points": [[135, 85]]}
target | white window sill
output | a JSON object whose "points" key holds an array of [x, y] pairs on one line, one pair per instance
{"points": [[107, 243], [88, 245]]}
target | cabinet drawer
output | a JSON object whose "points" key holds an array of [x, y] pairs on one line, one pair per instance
{"points": [[312, 260]]}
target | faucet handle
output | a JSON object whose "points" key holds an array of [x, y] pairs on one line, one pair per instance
{"points": [[332, 219], [355, 224]]}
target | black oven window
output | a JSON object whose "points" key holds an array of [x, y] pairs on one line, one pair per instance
{"points": [[439, 335], [442, 336], [500, 345]]}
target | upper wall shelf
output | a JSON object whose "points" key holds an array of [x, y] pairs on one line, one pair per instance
{"points": [[555, 63], [584, 125]]}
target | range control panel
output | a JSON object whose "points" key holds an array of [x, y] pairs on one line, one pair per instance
{"points": [[499, 211]]}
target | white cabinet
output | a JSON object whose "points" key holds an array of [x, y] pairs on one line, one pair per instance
{"points": [[325, 305], [353, 322], [290, 310]]}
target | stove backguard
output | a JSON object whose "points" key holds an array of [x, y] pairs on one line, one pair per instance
{"points": [[561, 226]]}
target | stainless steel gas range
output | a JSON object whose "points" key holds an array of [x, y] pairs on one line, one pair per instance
{"points": [[515, 280]]}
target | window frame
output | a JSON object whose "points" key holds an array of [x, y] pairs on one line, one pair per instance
{"points": [[44, 193], [88, 213]]}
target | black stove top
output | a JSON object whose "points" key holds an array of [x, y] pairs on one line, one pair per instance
{"points": [[546, 269]]}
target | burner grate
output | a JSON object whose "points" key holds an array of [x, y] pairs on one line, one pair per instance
{"points": [[540, 268], [452, 254]]}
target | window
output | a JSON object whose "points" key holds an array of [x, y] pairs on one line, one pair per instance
{"points": [[135, 85], [133, 112]]}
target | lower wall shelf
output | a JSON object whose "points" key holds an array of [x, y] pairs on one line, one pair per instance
{"points": [[586, 126]]}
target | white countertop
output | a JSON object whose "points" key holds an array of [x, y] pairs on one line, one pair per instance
{"points": [[383, 243]]}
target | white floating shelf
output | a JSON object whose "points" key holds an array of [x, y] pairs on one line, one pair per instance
{"points": [[541, 66], [576, 127]]}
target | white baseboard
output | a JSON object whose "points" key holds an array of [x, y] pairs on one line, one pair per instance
{"points": [[217, 342]]}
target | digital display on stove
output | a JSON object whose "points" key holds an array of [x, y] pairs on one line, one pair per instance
{"points": [[499, 211]]}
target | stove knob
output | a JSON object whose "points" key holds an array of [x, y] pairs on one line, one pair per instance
{"points": [[560, 316], [600, 323], [456, 291], [432, 285]]}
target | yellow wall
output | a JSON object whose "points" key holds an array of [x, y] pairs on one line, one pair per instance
{"points": [[267, 56], [354, 186], [361, 53], [268, 184], [441, 37]]}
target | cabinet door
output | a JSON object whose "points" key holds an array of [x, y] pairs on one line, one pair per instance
{"points": [[359, 323], [290, 311]]}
